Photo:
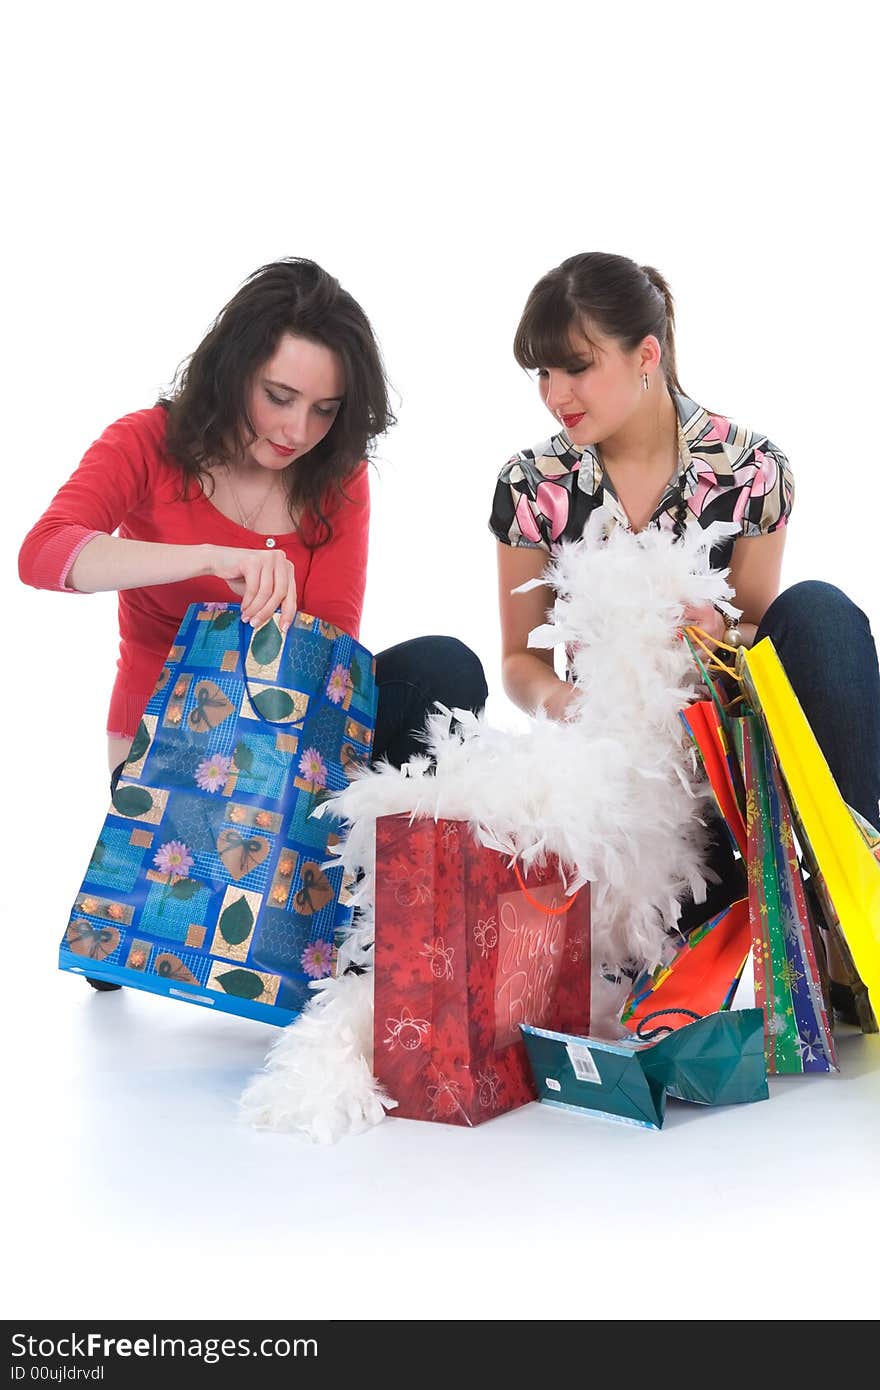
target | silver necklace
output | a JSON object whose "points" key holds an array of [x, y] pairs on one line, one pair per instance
{"points": [[248, 521]]}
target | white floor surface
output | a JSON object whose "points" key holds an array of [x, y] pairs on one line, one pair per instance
{"points": [[133, 1191]]}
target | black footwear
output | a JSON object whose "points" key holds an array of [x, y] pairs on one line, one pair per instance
{"points": [[850, 1004], [101, 984], [843, 1002]]}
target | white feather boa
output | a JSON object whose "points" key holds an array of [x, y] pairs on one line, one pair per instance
{"points": [[612, 793]]}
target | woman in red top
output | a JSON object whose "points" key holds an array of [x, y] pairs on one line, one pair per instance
{"points": [[251, 477]]}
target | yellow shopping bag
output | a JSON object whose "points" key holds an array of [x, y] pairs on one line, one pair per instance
{"points": [[836, 842]]}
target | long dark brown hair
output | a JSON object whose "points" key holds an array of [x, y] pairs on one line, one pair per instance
{"points": [[208, 419], [623, 300]]}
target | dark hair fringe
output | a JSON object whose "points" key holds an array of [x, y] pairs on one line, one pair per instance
{"points": [[596, 290]]}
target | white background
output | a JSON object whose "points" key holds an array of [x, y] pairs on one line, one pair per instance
{"points": [[438, 161]]}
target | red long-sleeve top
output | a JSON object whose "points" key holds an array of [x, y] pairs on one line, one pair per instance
{"points": [[127, 482]]}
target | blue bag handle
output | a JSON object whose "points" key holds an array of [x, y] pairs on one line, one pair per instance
{"points": [[244, 643]]}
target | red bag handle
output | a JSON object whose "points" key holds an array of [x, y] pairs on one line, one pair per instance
{"points": [[548, 911]]}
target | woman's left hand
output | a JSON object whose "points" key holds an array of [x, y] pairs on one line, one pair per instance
{"points": [[707, 619]]}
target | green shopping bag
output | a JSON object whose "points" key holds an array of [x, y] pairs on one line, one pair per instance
{"points": [[788, 987]]}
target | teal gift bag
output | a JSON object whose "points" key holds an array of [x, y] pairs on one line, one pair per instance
{"points": [[716, 1060], [209, 881]]}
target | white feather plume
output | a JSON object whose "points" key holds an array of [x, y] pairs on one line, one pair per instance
{"points": [[318, 1079], [611, 793]]}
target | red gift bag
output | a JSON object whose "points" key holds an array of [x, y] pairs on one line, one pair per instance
{"points": [[465, 953]]}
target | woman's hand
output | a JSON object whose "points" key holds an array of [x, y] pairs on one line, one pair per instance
{"points": [[707, 619], [559, 704], [265, 579]]}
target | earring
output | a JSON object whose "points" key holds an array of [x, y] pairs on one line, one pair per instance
{"points": [[645, 380]]}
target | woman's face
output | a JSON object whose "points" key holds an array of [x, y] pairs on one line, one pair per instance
{"points": [[595, 393], [293, 401]]}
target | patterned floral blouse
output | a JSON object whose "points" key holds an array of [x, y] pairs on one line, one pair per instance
{"points": [[725, 473]]}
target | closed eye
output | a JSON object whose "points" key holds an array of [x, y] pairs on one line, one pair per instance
{"points": [[326, 411], [576, 369]]}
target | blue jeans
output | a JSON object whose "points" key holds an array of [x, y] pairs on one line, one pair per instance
{"points": [[410, 678], [825, 645]]}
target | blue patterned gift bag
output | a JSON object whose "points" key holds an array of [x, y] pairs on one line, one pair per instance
{"points": [[206, 883]]}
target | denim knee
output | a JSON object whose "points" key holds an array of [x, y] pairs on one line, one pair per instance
{"points": [[459, 670], [438, 669], [812, 601]]}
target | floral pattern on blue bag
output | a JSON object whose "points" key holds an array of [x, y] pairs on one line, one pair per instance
{"points": [[209, 881]]}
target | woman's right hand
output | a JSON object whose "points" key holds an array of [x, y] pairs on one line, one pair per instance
{"points": [[265, 579]]}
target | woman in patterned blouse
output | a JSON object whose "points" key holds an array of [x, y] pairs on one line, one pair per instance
{"points": [[598, 331]]}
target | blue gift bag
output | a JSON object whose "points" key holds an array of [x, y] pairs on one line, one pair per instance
{"points": [[207, 882]]}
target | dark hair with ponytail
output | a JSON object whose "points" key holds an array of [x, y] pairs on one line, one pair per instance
{"points": [[596, 290], [208, 407]]}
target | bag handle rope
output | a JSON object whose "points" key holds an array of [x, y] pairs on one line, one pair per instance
{"points": [[548, 911], [663, 1028], [701, 639]]}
